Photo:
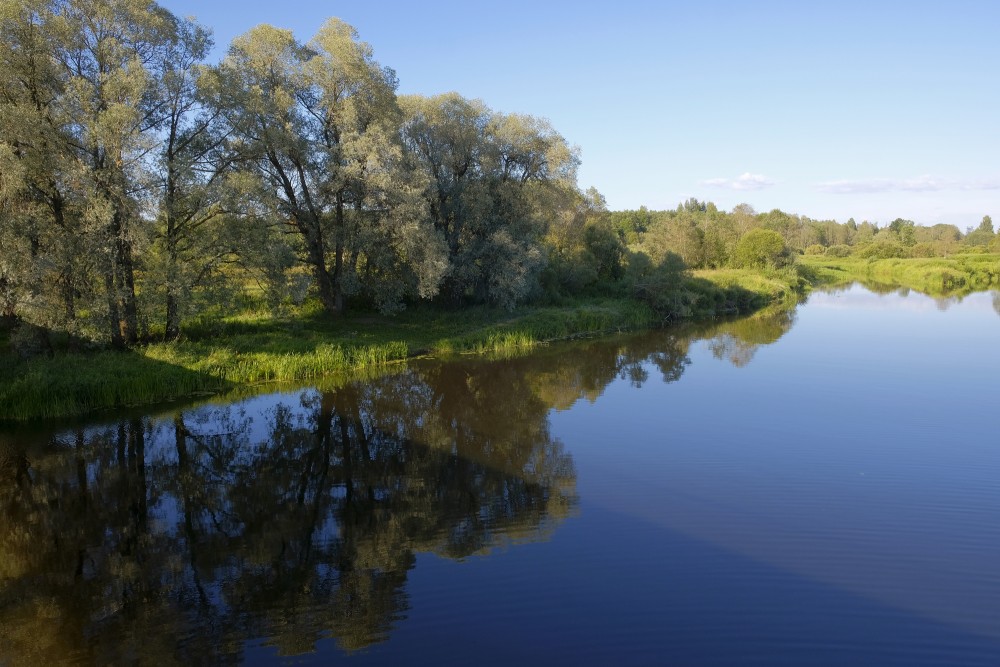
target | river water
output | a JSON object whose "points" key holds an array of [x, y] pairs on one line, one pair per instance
{"points": [[816, 487]]}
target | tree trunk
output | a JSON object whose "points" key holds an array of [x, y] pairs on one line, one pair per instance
{"points": [[126, 288], [327, 284], [8, 313], [173, 329], [338, 259], [113, 318], [324, 283]]}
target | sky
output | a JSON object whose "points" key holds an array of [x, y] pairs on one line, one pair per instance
{"points": [[872, 110]]}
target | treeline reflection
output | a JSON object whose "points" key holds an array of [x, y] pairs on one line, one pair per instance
{"points": [[296, 517]]}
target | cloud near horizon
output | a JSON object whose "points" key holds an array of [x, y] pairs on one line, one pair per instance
{"points": [[745, 181], [925, 183]]}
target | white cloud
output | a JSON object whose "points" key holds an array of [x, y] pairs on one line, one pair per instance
{"points": [[925, 183], [745, 181], [984, 184]]}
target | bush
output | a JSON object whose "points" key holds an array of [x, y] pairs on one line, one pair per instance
{"points": [[840, 250], [883, 250], [815, 249], [660, 286], [762, 249], [924, 250]]}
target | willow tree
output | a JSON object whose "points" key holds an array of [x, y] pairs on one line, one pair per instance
{"points": [[313, 129], [491, 181], [41, 239], [83, 107], [192, 237], [113, 55]]}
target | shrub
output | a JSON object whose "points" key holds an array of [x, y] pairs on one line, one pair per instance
{"points": [[924, 250], [762, 249], [883, 250], [840, 250]]}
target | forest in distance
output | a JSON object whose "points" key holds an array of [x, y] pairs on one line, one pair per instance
{"points": [[147, 195]]}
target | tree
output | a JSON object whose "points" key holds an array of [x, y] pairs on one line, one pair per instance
{"points": [[494, 184], [113, 58], [584, 248], [42, 236], [314, 128], [744, 218], [677, 234], [903, 230], [981, 236], [85, 80], [190, 240]]}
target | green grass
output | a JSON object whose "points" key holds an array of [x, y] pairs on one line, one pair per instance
{"points": [[73, 384], [762, 288], [935, 276], [231, 353]]}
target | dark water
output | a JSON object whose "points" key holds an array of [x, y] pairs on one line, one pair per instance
{"points": [[811, 488]]}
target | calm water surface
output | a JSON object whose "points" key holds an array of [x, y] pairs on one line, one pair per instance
{"points": [[811, 488]]}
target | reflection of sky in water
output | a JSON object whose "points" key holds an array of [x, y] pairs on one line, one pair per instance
{"points": [[859, 451]]}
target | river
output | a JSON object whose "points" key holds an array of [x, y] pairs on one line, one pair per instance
{"points": [[809, 487]]}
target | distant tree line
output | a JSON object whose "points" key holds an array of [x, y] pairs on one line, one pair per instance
{"points": [[140, 185], [706, 237]]}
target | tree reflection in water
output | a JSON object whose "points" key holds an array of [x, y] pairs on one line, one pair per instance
{"points": [[738, 340], [211, 527], [175, 539]]}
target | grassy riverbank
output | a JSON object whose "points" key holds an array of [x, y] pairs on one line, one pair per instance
{"points": [[254, 347], [936, 276]]}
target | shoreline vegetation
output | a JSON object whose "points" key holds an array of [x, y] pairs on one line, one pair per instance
{"points": [[249, 349], [171, 227], [935, 276], [254, 348]]}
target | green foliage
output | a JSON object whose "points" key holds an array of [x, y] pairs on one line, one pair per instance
{"points": [[493, 184], [219, 354], [661, 285], [925, 249], [606, 249], [815, 249], [937, 276], [762, 249], [882, 249], [838, 251], [630, 225], [980, 238], [903, 230]]}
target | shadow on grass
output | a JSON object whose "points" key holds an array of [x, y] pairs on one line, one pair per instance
{"points": [[65, 384]]}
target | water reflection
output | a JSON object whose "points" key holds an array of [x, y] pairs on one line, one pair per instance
{"points": [[297, 517], [738, 341], [196, 527]]}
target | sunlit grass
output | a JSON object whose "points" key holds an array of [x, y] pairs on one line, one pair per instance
{"points": [[935, 276], [254, 346]]}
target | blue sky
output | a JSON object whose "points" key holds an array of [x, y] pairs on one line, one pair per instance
{"points": [[872, 110]]}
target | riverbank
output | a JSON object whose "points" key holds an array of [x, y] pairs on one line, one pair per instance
{"points": [[256, 347], [253, 348], [934, 276]]}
